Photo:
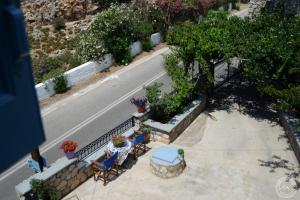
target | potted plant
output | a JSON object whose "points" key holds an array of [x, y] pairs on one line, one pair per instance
{"points": [[147, 132], [181, 153], [140, 103], [69, 147], [118, 140]]}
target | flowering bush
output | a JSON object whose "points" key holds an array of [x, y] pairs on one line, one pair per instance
{"points": [[68, 146], [90, 47], [111, 34], [205, 5], [117, 33], [138, 102]]}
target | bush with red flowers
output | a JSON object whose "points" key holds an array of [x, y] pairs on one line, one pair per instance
{"points": [[68, 146], [206, 5]]}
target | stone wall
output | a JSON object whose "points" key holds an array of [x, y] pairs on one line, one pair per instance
{"points": [[64, 175], [289, 7], [169, 131], [291, 126], [69, 178], [255, 7]]}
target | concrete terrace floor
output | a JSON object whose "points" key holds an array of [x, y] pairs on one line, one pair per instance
{"points": [[235, 150]]}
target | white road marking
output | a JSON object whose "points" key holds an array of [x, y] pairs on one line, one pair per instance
{"points": [[70, 132], [48, 110]]}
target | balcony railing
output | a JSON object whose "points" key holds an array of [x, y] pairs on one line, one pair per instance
{"points": [[104, 139]]}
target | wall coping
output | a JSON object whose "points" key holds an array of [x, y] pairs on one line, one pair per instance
{"points": [[291, 125], [177, 119]]}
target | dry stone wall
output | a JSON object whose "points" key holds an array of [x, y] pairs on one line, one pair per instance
{"points": [[64, 175], [68, 179], [255, 7], [289, 7]]}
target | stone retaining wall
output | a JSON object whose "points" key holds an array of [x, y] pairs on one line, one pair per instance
{"points": [[291, 126], [169, 131], [289, 7], [64, 174], [255, 7]]}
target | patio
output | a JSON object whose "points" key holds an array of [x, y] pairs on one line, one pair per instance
{"points": [[231, 152]]}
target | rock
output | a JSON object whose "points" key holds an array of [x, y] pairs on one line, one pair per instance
{"points": [[62, 185], [47, 10], [37, 34]]}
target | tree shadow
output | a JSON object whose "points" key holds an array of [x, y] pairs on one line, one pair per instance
{"points": [[241, 94], [277, 163], [284, 137], [292, 171]]}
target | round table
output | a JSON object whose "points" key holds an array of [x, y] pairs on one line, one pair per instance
{"points": [[165, 162]]}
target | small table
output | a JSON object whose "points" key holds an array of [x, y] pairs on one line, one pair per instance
{"points": [[122, 151], [165, 162]]}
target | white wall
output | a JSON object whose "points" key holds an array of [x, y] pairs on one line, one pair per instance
{"points": [[86, 70]]}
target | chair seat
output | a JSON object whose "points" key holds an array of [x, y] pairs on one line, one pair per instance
{"points": [[107, 167]]}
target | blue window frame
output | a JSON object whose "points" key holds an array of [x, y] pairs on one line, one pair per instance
{"points": [[21, 129]]}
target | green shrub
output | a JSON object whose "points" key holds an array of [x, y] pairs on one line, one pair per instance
{"points": [[181, 152], [70, 60], [90, 47], [60, 84], [165, 106], [47, 67], [58, 23], [116, 34], [44, 66], [154, 15], [42, 190], [104, 4], [143, 31]]}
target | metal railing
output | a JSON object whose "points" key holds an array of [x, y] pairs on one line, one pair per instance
{"points": [[104, 139]]}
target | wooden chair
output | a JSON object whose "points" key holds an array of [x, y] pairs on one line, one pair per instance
{"points": [[107, 167], [139, 144]]}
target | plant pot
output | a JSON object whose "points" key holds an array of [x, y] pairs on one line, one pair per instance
{"points": [[119, 145], [141, 109], [70, 154], [147, 137]]}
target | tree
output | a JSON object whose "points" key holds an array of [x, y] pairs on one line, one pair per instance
{"points": [[269, 47]]}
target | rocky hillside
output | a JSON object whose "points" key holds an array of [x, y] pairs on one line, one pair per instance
{"points": [[52, 26], [47, 10]]}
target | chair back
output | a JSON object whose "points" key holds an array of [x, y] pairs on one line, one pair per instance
{"points": [[109, 162], [139, 139]]}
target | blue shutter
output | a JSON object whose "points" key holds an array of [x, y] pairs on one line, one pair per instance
{"points": [[21, 128]]}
